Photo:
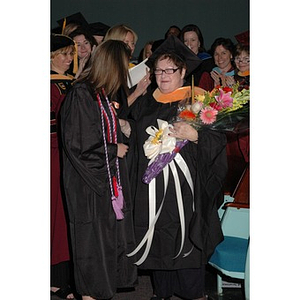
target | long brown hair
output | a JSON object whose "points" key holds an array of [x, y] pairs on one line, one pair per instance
{"points": [[109, 67]]}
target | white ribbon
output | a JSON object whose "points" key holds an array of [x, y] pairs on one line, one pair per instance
{"points": [[153, 217], [159, 140], [186, 171]]}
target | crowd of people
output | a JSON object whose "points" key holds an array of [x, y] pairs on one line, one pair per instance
{"points": [[106, 223]]}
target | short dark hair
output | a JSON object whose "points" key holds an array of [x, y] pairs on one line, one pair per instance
{"points": [[226, 43], [88, 36], [195, 28], [239, 48], [172, 26], [172, 56]]}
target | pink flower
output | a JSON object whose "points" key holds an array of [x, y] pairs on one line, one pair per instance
{"points": [[224, 99], [208, 115], [216, 106]]}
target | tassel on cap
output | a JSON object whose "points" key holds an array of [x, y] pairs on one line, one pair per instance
{"points": [[75, 60], [64, 25]]}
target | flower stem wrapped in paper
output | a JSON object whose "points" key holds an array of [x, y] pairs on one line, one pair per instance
{"points": [[160, 148], [222, 109]]}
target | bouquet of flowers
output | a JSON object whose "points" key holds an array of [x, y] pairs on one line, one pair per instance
{"points": [[221, 109]]}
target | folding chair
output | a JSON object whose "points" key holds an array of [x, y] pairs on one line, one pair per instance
{"points": [[229, 257]]}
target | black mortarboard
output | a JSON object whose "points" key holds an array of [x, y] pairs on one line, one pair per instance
{"points": [[56, 30], [156, 44], [76, 18], [98, 28], [59, 41], [174, 45]]}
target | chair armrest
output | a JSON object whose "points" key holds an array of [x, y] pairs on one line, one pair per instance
{"points": [[237, 205]]}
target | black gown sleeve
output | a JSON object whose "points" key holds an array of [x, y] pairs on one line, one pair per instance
{"points": [[82, 138], [205, 227]]}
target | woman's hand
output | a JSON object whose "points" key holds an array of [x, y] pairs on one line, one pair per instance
{"points": [[184, 131], [122, 150], [142, 85], [216, 77], [229, 81], [141, 89], [125, 127], [93, 49], [81, 65]]}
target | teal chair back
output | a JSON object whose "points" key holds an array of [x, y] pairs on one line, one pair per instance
{"points": [[230, 255], [235, 222]]}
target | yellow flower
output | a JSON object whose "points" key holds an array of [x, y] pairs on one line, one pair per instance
{"points": [[240, 99], [156, 139], [199, 98]]}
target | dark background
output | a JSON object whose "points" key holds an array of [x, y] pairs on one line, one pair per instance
{"points": [[150, 19]]}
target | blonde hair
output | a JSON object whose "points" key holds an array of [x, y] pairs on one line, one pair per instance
{"points": [[109, 67], [118, 32], [63, 50]]}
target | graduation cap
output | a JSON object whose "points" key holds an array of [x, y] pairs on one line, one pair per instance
{"points": [[76, 18], [98, 28], [243, 37], [173, 45], [156, 44], [56, 30], [59, 41]]}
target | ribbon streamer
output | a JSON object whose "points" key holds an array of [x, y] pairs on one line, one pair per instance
{"points": [[153, 217]]}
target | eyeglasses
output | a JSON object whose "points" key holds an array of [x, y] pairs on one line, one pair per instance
{"points": [[167, 71], [245, 60]]}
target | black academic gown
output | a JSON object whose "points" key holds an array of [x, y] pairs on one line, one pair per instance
{"points": [[207, 164], [99, 241]]}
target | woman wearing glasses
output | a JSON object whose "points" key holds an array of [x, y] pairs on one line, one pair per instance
{"points": [[176, 220], [242, 62], [238, 143]]}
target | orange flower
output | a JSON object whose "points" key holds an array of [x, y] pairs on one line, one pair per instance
{"points": [[227, 89], [187, 114]]}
